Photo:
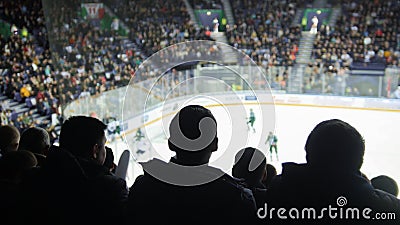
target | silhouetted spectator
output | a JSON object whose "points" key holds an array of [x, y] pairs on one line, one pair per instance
{"points": [[55, 193], [37, 141], [85, 138], [9, 140], [73, 185], [334, 153], [250, 166], [13, 166], [269, 175], [109, 161], [385, 183], [187, 187]]}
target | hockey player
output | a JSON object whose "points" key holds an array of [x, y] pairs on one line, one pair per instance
{"points": [[139, 135], [141, 144], [272, 140], [251, 120]]}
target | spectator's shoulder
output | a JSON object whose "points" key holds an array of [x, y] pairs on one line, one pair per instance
{"points": [[246, 194], [387, 201], [114, 179]]}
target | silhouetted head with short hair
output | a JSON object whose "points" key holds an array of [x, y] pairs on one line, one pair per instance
{"points": [[14, 164], [9, 139], [35, 140], [385, 183], [193, 135], [250, 166], [335, 145], [84, 137]]}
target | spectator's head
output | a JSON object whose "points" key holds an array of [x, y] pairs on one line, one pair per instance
{"points": [[36, 140], [385, 183], [193, 135], [84, 137], [9, 140], [249, 165], [335, 144], [14, 164], [109, 161], [269, 175]]}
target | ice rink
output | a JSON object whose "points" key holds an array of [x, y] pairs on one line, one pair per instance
{"points": [[293, 123]]}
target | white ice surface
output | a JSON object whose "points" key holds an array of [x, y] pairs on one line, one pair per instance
{"points": [[293, 124]]}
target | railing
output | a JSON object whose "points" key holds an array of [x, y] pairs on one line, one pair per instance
{"points": [[151, 92], [343, 83]]}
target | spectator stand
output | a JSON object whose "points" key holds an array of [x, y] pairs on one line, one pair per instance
{"points": [[264, 31], [26, 77], [362, 42]]}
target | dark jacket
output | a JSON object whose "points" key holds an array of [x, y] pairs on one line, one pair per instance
{"points": [[9, 192], [221, 201], [259, 193], [302, 187], [108, 193], [67, 190], [40, 159]]}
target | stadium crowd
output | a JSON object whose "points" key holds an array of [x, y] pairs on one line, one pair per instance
{"points": [[206, 4], [366, 35], [75, 183], [366, 32], [157, 24], [25, 68], [264, 31], [87, 60]]}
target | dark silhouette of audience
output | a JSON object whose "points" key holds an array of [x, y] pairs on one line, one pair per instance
{"points": [[250, 165], [84, 137], [334, 153], [13, 167], [385, 183], [73, 186], [37, 141], [186, 190]]}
